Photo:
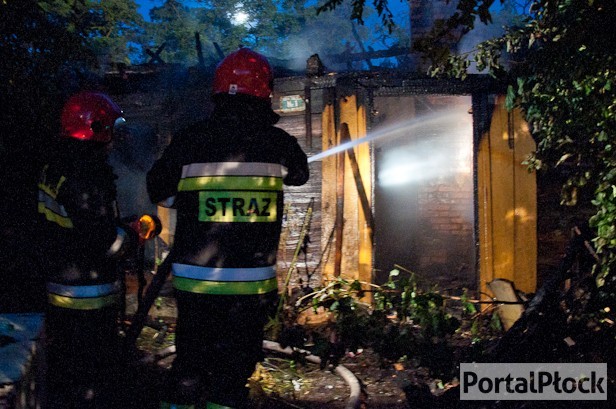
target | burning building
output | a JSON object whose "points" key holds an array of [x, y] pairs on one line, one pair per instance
{"points": [[423, 175], [407, 172]]}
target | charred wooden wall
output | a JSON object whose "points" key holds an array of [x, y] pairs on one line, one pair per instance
{"points": [[304, 124]]}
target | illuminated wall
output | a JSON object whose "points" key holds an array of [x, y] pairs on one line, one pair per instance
{"points": [[424, 188]]}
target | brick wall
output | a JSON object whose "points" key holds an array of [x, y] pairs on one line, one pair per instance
{"points": [[444, 208]]}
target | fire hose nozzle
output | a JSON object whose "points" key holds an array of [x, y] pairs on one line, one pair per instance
{"points": [[148, 226], [144, 228]]}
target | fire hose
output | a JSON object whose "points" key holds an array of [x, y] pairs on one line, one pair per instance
{"points": [[147, 227], [354, 399], [140, 316]]}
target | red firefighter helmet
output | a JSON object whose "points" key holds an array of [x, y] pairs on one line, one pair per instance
{"points": [[90, 116], [244, 72]]}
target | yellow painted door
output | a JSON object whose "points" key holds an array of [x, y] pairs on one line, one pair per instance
{"points": [[507, 202]]}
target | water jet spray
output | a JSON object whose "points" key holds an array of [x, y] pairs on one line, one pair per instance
{"points": [[396, 130]]}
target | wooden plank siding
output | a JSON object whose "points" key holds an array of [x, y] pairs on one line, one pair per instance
{"points": [[298, 198], [507, 202]]}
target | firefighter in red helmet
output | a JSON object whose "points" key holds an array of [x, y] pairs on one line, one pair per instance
{"points": [[225, 177], [81, 242]]}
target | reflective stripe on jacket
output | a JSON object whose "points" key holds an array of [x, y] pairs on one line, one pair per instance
{"points": [[232, 192], [49, 206]]}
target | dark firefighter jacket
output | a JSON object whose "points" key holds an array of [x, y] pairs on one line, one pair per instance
{"points": [[226, 177], [79, 237]]}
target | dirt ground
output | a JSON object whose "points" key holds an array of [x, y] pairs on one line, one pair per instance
{"points": [[304, 387], [381, 386], [283, 384], [309, 387]]}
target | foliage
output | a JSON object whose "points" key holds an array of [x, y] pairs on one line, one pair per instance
{"points": [[561, 74], [358, 10], [287, 31], [404, 322], [173, 28], [267, 24], [114, 31], [467, 12], [43, 57], [278, 378], [110, 28]]}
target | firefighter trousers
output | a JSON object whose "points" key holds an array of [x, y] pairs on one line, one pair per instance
{"points": [[82, 356], [219, 341]]}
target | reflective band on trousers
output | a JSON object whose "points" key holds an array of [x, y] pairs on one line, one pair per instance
{"points": [[224, 281], [83, 297]]}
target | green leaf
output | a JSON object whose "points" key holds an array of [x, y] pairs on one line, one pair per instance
{"points": [[510, 98], [495, 322]]}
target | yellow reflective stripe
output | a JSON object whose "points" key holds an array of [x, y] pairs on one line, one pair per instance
{"points": [[225, 287], [230, 183], [53, 192], [47, 190], [47, 205], [246, 207], [234, 169], [60, 182], [54, 217], [93, 303]]}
